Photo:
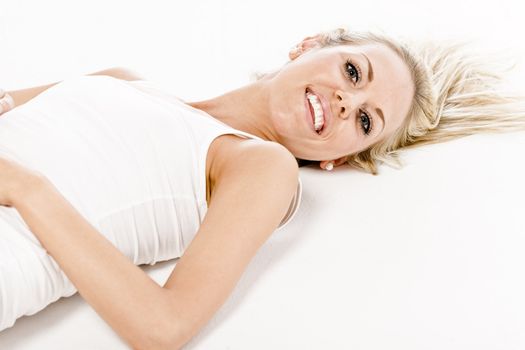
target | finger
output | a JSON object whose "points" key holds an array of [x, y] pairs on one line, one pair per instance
{"points": [[9, 99], [6, 104]]}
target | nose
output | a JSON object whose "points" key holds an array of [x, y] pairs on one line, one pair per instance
{"points": [[346, 102]]}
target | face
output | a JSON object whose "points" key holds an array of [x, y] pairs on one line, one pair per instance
{"points": [[365, 92]]}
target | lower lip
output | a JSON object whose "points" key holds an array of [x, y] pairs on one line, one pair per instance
{"points": [[309, 115]]}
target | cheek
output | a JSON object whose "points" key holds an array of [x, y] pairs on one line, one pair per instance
{"points": [[279, 109], [348, 140], [287, 114], [352, 143]]}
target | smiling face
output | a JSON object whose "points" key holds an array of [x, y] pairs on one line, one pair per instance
{"points": [[365, 92]]}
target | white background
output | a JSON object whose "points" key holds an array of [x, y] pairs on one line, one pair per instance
{"points": [[430, 257], [204, 48]]}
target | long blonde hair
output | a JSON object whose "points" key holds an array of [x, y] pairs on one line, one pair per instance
{"points": [[457, 94]]}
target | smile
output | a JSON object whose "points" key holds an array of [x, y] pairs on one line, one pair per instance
{"points": [[316, 111]]}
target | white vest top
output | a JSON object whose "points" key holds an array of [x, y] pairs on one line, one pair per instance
{"points": [[129, 156]]}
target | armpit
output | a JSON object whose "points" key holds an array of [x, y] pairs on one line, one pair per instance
{"points": [[294, 206]]}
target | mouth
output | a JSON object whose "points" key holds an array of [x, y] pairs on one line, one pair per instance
{"points": [[315, 111]]}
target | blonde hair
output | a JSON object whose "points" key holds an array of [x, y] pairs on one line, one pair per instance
{"points": [[457, 94]]}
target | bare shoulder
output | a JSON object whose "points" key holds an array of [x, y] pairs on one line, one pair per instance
{"points": [[233, 159], [120, 73]]}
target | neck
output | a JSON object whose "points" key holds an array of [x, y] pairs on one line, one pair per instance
{"points": [[245, 109]]}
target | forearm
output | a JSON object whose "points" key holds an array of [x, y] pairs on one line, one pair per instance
{"points": [[134, 305], [22, 96]]}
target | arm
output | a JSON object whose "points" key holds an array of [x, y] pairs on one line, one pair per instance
{"points": [[22, 96], [251, 196], [248, 203], [133, 304]]}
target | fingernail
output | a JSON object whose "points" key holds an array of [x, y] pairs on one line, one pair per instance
{"points": [[329, 166], [9, 100]]}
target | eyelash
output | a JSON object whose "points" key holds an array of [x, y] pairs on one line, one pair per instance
{"points": [[357, 69]]}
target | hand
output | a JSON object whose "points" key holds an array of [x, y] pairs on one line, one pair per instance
{"points": [[16, 181], [6, 102]]}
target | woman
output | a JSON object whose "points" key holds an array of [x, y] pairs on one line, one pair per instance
{"points": [[343, 98]]}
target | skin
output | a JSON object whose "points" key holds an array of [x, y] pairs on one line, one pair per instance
{"points": [[6, 102], [273, 108]]}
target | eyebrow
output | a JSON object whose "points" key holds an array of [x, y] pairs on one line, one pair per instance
{"points": [[370, 70], [370, 78], [380, 114]]}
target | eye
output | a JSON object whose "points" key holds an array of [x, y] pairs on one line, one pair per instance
{"points": [[366, 122], [352, 71]]}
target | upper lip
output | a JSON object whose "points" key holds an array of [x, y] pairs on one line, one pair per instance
{"points": [[326, 111]]}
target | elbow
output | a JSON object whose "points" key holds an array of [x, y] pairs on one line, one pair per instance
{"points": [[171, 342], [160, 344], [125, 74], [149, 343], [156, 344], [120, 73], [162, 338]]}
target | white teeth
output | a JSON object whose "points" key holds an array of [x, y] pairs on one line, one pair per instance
{"points": [[318, 111]]}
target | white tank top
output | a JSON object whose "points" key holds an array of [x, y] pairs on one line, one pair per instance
{"points": [[129, 156]]}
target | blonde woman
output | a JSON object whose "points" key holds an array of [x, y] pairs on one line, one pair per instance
{"points": [[101, 173]]}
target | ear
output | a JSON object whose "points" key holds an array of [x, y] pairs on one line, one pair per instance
{"points": [[336, 162], [305, 45]]}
